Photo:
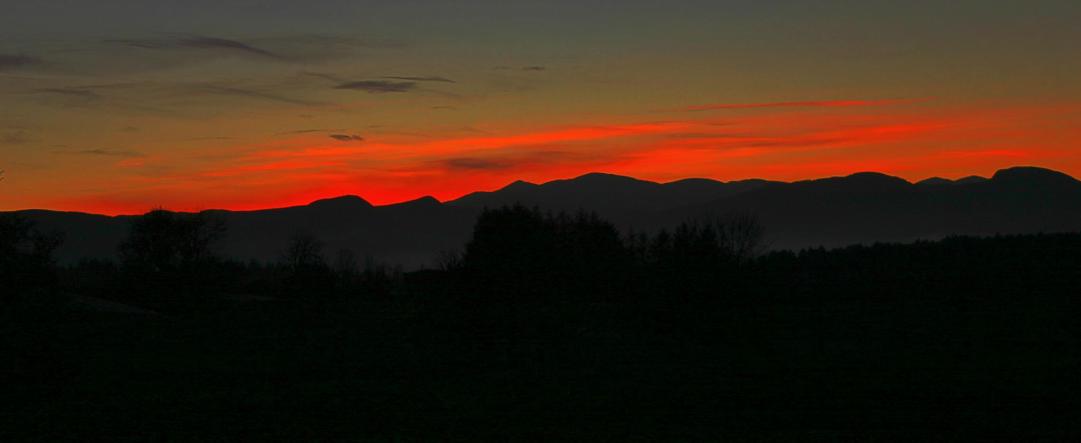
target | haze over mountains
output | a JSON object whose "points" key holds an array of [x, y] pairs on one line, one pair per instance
{"points": [[859, 208]]}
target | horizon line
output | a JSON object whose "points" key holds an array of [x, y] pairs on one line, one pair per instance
{"points": [[427, 196]]}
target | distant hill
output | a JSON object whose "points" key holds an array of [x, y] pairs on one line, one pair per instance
{"points": [[608, 193], [870, 207], [859, 208]]}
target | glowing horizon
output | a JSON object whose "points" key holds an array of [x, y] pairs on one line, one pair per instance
{"points": [[228, 107]]}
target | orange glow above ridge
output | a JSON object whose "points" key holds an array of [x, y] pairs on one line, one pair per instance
{"points": [[780, 142]]}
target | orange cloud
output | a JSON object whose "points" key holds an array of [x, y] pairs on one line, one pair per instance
{"points": [[805, 104], [457, 145], [785, 144]]}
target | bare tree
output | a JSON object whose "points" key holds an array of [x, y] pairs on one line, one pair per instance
{"points": [[304, 252], [163, 240], [346, 263], [448, 260], [741, 236]]}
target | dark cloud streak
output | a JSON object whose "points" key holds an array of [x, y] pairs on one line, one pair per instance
{"points": [[805, 104], [18, 137], [504, 162], [474, 164], [8, 61], [71, 92], [378, 86], [325, 77], [103, 153], [421, 79], [221, 43], [346, 137], [523, 68], [197, 42], [247, 93], [309, 131]]}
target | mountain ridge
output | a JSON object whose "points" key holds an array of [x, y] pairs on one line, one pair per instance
{"points": [[831, 211]]}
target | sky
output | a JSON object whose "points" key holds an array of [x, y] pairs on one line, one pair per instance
{"points": [[121, 106]]}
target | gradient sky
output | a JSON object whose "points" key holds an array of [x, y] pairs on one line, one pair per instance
{"points": [[120, 106]]}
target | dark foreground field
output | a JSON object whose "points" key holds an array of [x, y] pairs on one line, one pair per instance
{"points": [[393, 373], [958, 339], [421, 371]]}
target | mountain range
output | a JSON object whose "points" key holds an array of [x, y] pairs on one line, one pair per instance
{"points": [[859, 208]]}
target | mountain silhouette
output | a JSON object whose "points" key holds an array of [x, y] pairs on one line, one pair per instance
{"points": [[870, 207], [345, 202], [607, 194], [859, 208]]}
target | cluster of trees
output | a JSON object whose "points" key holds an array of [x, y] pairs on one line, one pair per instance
{"points": [[176, 254], [515, 253], [306, 272], [161, 241], [524, 252], [518, 252], [170, 260], [26, 258]]}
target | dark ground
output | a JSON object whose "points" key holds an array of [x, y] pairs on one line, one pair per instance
{"points": [[543, 333], [401, 371]]}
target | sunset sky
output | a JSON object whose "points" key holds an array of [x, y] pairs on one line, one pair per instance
{"points": [[120, 106]]}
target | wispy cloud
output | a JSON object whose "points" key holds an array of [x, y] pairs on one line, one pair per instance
{"points": [[533, 140], [15, 61], [519, 161], [17, 137], [535, 68], [308, 131], [103, 152], [81, 93], [197, 42], [378, 86], [255, 94], [420, 79], [804, 104], [208, 138], [346, 137], [221, 43], [474, 164], [140, 43], [325, 76]]}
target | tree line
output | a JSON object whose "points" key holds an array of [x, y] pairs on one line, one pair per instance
{"points": [[560, 317], [523, 254]]}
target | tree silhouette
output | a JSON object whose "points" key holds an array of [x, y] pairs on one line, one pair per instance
{"points": [[164, 241], [307, 274], [304, 252], [741, 237], [517, 251], [26, 256]]}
